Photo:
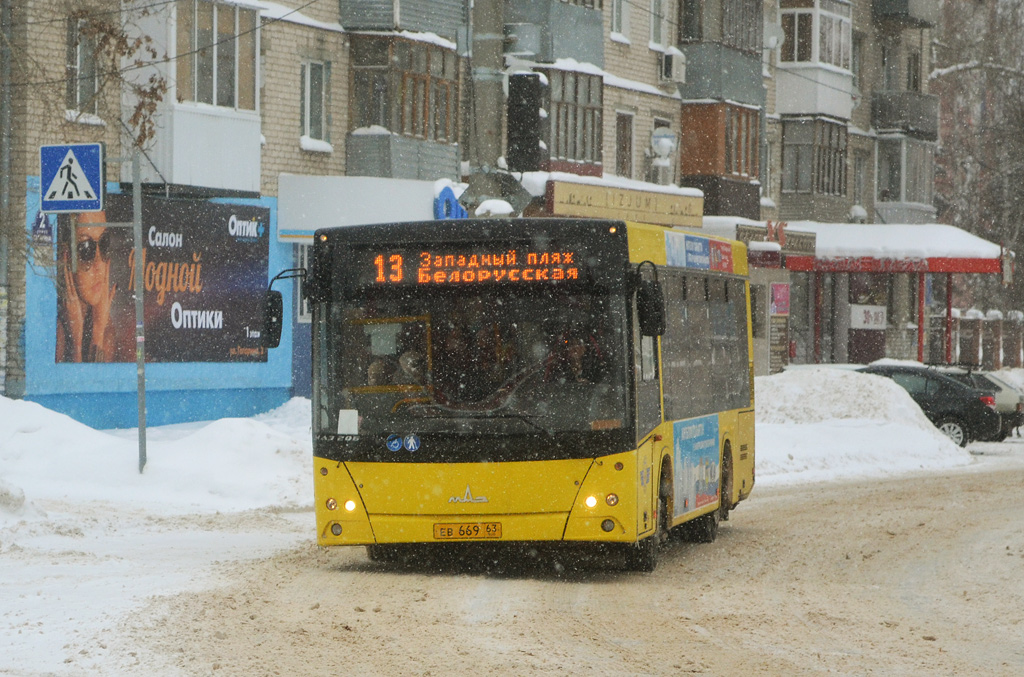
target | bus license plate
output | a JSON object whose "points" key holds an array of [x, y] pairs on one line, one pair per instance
{"points": [[455, 531]]}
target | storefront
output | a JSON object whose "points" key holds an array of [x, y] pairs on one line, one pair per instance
{"points": [[769, 245], [868, 290]]}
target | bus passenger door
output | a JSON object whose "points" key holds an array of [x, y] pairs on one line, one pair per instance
{"points": [[648, 417]]}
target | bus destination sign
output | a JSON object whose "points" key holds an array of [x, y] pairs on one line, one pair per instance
{"points": [[460, 267]]}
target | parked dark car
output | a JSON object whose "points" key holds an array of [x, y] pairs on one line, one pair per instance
{"points": [[963, 413], [1009, 400]]}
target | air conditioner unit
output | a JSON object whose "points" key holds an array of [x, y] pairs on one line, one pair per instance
{"points": [[673, 66]]}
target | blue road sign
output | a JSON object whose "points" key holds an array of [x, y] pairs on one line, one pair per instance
{"points": [[71, 177]]}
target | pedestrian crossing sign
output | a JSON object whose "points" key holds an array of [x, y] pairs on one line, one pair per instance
{"points": [[71, 178]]}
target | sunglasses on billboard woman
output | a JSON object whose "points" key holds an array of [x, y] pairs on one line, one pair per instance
{"points": [[88, 247]]}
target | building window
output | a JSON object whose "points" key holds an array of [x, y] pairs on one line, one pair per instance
{"points": [[406, 87], [905, 170], [743, 24], [624, 145], [575, 113], [742, 141], [890, 174], [658, 22], [620, 17], [814, 157], [890, 66], [860, 178], [217, 54], [914, 72], [920, 171], [855, 58], [82, 78], [664, 150], [832, 19], [691, 23], [798, 39], [314, 85]]}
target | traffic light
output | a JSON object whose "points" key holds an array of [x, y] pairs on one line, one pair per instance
{"points": [[524, 122]]}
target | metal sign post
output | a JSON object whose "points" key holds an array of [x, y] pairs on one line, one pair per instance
{"points": [[140, 289], [72, 181], [139, 274]]}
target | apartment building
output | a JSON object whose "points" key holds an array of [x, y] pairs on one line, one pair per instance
{"points": [[851, 138], [799, 111]]}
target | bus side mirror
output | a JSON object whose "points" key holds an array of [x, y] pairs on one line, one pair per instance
{"points": [[273, 318], [650, 303]]}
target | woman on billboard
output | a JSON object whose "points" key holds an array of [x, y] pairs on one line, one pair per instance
{"points": [[85, 294]]}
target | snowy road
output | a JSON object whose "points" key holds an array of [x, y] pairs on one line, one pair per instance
{"points": [[870, 544], [918, 575]]}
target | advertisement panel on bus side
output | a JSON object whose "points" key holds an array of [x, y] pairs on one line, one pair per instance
{"points": [[696, 463]]}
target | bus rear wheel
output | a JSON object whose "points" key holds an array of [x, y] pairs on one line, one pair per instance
{"points": [[704, 529]]}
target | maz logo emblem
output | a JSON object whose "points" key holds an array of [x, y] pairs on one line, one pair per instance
{"points": [[468, 497]]}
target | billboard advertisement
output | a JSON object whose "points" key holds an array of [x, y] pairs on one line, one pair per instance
{"points": [[204, 266]]}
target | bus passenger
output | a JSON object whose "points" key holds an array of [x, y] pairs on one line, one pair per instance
{"points": [[410, 369]]}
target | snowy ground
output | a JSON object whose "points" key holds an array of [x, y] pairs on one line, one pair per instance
{"points": [[84, 537]]}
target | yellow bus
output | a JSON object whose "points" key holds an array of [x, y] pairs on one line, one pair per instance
{"points": [[528, 381]]}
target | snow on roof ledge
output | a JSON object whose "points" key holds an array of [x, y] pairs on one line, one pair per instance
{"points": [[536, 183], [278, 12], [897, 241], [893, 241]]}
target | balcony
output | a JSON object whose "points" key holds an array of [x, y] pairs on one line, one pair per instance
{"points": [[400, 157], [814, 89], [205, 147], [915, 113], [714, 71], [443, 17], [906, 13], [545, 30]]}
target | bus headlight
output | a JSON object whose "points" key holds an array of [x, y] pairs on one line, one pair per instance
{"points": [[611, 499], [332, 504], [591, 501], [350, 505]]}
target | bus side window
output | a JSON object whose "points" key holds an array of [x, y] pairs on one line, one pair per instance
{"points": [[648, 359]]}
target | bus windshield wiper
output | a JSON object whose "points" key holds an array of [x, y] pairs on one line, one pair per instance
{"points": [[478, 414], [528, 420]]}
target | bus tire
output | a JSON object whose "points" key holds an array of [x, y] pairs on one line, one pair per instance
{"points": [[704, 529], [386, 553], [643, 555], [725, 499]]}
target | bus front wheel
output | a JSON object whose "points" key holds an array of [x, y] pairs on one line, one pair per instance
{"points": [[643, 555]]}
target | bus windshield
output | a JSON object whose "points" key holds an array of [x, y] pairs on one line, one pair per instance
{"points": [[491, 361]]}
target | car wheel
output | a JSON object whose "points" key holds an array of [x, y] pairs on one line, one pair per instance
{"points": [[954, 430]]}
